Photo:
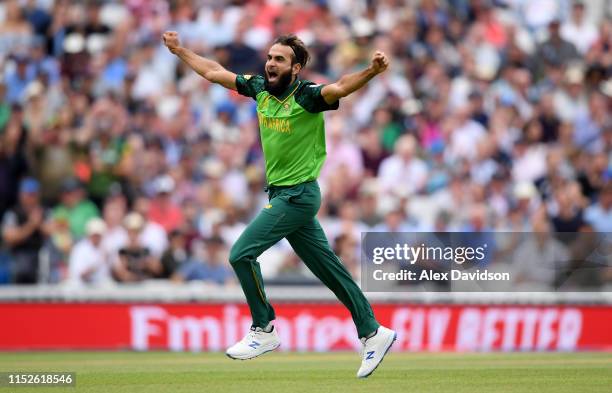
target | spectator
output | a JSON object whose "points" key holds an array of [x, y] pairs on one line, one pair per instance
{"points": [[106, 154], [89, 261], [592, 174], [292, 271], [404, 168], [368, 204], [113, 212], [23, 231], [18, 80], [153, 235], [478, 113], [529, 155], [387, 128], [161, 209], [176, 255], [217, 25], [372, 152], [589, 127], [526, 198], [346, 248], [466, 133], [15, 32], [75, 206], [578, 30], [242, 58], [570, 99], [555, 48], [13, 155], [135, 261], [395, 219], [539, 260], [478, 219], [38, 17], [347, 223], [567, 216], [548, 119], [209, 265], [341, 151], [599, 214]]}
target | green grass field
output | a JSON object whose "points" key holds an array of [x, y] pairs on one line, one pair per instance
{"points": [[322, 372]]}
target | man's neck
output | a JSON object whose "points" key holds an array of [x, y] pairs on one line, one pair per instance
{"points": [[578, 22], [288, 90]]}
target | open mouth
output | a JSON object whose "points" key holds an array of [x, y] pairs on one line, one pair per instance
{"points": [[272, 75]]}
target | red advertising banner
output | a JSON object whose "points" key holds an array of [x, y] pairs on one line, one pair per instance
{"points": [[302, 327]]}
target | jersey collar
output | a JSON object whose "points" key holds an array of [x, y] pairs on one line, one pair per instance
{"points": [[290, 90]]}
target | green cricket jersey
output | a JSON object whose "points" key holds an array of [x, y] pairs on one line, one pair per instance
{"points": [[292, 129]]}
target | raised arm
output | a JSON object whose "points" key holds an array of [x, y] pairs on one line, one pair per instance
{"points": [[209, 69], [355, 81]]}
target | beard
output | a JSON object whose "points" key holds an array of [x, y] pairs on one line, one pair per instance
{"points": [[282, 83]]}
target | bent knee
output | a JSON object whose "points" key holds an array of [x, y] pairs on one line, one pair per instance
{"points": [[237, 254]]}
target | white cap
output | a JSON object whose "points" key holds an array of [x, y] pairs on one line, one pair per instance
{"points": [[95, 226], [164, 184], [133, 221], [369, 187], [214, 168], [525, 190], [33, 89], [606, 87], [74, 43], [362, 27], [574, 75]]}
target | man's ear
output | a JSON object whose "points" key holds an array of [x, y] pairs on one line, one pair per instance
{"points": [[295, 69]]}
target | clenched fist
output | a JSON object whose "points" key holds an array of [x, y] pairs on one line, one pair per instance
{"points": [[380, 62], [171, 40]]}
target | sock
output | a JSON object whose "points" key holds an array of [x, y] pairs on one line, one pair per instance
{"points": [[269, 327], [372, 334]]}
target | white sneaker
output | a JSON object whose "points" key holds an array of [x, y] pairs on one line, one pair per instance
{"points": [[255, 343], [374, 350]]}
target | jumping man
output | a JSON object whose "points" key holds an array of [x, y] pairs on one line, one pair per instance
{"points": [[292, 131]]}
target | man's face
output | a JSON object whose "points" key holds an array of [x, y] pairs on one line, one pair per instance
{"points": [[553, 29], [279, 70], [72, 198], [214, 250], [133, 235], [578, 11], [29, 199], [22, 67], [96, 239], [606, 198]]}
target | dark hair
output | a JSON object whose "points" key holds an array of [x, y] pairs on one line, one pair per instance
{"points": [[300, 53]]}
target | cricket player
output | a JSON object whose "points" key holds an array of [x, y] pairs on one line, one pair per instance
{"points": [[292, 131]]}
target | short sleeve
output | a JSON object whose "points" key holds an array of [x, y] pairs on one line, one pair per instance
{"points": [[249, 85], [9, 220], [310, 98]]}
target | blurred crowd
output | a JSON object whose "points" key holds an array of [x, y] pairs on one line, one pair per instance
{"points": [[119, 164]]}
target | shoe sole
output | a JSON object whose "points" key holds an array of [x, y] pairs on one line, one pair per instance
{"points": [[381, 359], [252, 357]]}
